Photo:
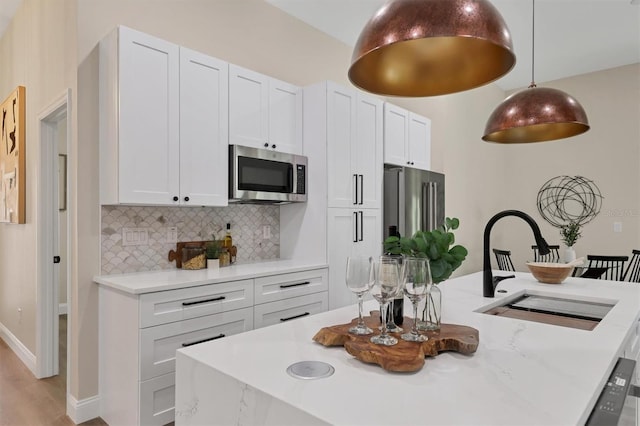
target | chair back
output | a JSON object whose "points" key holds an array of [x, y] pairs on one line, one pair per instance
{"points": [[614, 264], [503, 257], [552, 257], [632, 274]]}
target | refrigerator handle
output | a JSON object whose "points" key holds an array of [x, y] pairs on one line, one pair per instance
{"points": [[433, 205], [355, 227], [424, 201]]}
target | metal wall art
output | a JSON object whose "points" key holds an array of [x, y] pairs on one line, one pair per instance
{"points": [[565, 200], [12, 158]]}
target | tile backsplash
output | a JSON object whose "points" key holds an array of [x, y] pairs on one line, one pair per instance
{"points": [[193, 224]]}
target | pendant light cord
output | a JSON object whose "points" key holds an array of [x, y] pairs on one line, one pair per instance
{"points": [[533, 43]]}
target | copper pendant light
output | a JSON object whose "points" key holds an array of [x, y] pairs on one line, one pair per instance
{"points": [[536, 114], [431, 47]]}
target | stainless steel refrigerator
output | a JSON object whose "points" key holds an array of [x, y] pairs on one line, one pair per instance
{"points": [[413, 200]]}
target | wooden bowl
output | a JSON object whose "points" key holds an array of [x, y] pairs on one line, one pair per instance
{"points": [[550, 273]]}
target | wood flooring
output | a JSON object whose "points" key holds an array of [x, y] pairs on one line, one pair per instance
{"points": [[27, 401]]}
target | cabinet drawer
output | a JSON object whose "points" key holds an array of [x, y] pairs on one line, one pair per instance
{"points": [[157, 400], [158, 344], [176, 305], [278, 287], [290, 309]]}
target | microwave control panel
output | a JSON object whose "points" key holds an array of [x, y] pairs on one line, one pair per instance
{"points": [[301, 184]]}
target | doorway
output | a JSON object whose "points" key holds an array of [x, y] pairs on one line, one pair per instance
{"points": [[52, 242]]}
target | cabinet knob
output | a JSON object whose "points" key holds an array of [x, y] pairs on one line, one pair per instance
{"points": [[175, 198], [412, 163], [186, 198], [273, 146], [266, 145], [409, 162]]}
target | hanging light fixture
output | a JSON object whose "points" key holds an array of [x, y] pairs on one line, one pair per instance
{"points": [[431, 47], [536, 114]]}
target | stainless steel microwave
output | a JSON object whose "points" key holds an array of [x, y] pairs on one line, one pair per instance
{"points": [[264, 176]]}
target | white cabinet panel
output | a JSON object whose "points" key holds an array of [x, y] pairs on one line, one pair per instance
{"points": [[158, 344], [204, 117], [341, 132], [177, 305], [407, 138], [368, 151], [350, 233], [278, 287], [157, 400], [163, 123], [264, 112], [142, 94], [289, 309], [248, 107]]}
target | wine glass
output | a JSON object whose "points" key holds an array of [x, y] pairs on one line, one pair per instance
{"points": [[359, 279], [384, 287], [416, 277]]}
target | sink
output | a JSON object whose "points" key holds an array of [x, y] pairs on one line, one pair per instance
{"points": [[548, 308]]}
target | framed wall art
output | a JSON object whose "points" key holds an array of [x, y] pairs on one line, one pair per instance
{"points": [[12, 157]]}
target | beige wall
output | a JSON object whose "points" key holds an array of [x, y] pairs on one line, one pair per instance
{"points": [[37, 51], [482, 178], [608, 154]]}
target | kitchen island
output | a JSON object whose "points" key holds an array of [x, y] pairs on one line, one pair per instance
{"points": [[522, 372]]}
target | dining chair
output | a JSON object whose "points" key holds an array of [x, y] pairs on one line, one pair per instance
{"points": [[632, 274], [503, 257], [614, 264], [553, 256]]}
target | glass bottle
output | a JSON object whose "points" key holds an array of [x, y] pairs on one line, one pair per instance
{"points": [[228, 241], [432, 312]]}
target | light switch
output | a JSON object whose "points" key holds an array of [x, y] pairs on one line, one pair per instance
{"points": [[172, 234], [266, 232], [135, 236], [617, 226]]}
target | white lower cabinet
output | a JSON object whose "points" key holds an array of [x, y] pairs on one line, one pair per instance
{"points": [[140, 333], [290, 309]]}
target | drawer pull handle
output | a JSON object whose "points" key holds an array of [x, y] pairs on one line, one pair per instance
{"points": [[295, 316], [215, 299], [219, 336], [295, 285]]}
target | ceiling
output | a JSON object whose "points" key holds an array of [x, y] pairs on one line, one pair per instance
{"points": [[572, 37]]}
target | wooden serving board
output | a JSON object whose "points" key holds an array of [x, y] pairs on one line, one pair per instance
{"points": [[405, 356]]}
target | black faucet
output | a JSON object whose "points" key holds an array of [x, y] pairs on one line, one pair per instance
{"points": [[489, 282]]}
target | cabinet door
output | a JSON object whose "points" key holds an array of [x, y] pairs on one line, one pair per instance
{"points": [[370, 233], [367, 152], [248, 107], [396, 127], [148, 138], [341, 234], [419, 141], [204, 124], [285, 117], [341, 132]]}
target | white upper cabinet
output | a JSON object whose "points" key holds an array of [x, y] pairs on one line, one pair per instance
{"points": [[264, 112], [204, 129], [354, 148], [163, 123], [407, 138]]}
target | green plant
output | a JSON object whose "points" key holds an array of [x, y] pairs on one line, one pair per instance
{"points": [[435, 245], [213, 248], [570, 233]]}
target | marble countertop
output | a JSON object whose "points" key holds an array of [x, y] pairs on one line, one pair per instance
{"points": [[169, 279], [523, 372]]}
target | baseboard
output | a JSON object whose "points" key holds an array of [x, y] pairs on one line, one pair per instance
{"points": [[19, 349], [83, 410], [62, 309]]}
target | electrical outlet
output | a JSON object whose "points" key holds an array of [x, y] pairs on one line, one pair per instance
{"points": [[172, 234], [266, 232], [135, 236], [19, 315], [617, 226]]}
